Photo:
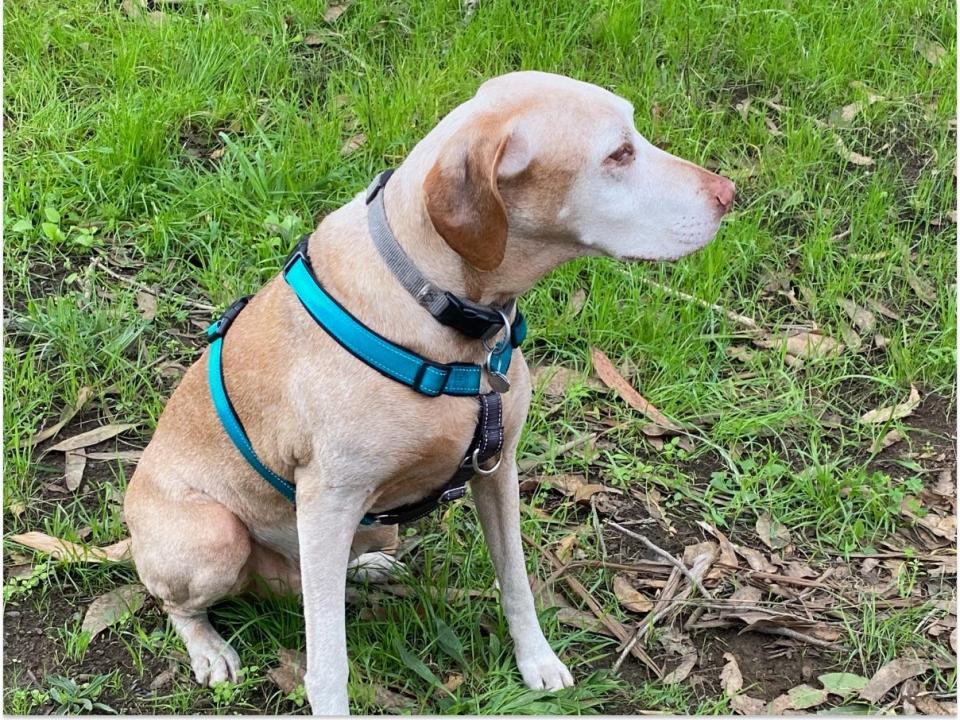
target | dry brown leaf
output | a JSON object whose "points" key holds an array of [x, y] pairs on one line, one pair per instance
{"points": [[861, 317], [17, 571], [113, 607], [953, 640], [850, 337], [288, 676], [123, 455], [772, 533], [932, 51], [333, 12], [453, 681], [930, 706], [882, 309], [728, 555], [391, 700], [566, 545], [582, 620], [630, 599], [566, 484], [74, 464], [891, 675], [66, 550], [921, 288], [91, 437], [886, 414], [133, 8], [844, 116], [692, 552], [731, 679], [683, 670], [556, 380], [147, 305], [608, 373], [849, 155], [353, 144], [740, 352], [805, 345], [891, 438], [585, 492], [65, 416], [778, 705], [746, 705], [754, 559], [577, 301]]}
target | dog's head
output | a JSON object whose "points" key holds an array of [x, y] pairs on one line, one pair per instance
{"points": [[546, 158]]}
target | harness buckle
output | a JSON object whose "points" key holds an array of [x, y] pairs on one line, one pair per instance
{"points": [[218, 329]]}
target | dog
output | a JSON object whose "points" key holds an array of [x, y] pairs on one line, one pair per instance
{"points": [[534, 170]]}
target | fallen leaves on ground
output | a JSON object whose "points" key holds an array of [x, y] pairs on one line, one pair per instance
{"points": [[615, 381], [629, 597], [91, 437], [849, 155], [333, 12], [66, 416], [772, 533], [353, 144], [147, 305], [288, 675], [895, 412], [891, 675], [803, 345], [61, 549], [731, 679], [74, 464], [113, 607]]}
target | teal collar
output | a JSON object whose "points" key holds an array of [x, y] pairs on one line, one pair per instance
{"points": [[389, 358]]}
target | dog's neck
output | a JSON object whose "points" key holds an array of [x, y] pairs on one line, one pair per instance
{"points": [[526, 260]]}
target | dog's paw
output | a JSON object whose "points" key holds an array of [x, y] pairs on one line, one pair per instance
{"points": [[213, 663], [375, 567], [544, 671]]}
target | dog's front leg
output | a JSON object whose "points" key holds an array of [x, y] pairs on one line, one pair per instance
{"points": [[498, 503], [327, 518]]}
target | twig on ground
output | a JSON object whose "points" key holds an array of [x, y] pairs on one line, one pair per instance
{"points": [[735, 317], [615, 627], [98, 262], [794, 634], [528, 464], [665, 555], [597, 528]]}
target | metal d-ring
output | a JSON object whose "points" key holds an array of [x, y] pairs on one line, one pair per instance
{"points": [[476, 464], [501, 345]]}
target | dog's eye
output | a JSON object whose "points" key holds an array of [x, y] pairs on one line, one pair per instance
{"points": [[622, 154]]}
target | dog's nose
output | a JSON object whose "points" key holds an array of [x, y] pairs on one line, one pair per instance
{"points": [[723, 191]]}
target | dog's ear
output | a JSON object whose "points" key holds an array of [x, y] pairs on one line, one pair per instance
{"points": [[461, 193]]}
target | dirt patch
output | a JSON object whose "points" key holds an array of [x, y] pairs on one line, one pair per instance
{"points": [[32, 652]]}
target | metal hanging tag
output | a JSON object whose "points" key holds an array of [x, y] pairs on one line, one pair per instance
{"points": [[498, 381]]}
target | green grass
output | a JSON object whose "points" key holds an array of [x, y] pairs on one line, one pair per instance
{"points": [[185, 154]]}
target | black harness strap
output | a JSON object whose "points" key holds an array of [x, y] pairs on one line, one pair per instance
{"points": [[486, 444]]}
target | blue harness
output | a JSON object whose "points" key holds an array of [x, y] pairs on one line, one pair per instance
{"points": [[393, 361]]}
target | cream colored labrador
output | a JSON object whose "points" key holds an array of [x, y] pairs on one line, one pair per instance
{"points": [[534, 170]]}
